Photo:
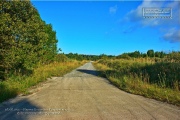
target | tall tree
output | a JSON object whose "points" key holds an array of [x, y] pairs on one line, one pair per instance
{"points": [[49, 47], [150, 53], [25, 39]]}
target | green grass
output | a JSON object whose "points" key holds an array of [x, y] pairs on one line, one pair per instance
{"points": [[150, 79], [19, 84]]}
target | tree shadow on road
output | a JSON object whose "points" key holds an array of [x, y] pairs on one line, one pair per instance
{"points": [[91, 72], [20, 110]]}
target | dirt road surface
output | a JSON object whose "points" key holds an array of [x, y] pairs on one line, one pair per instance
{"points": [[81, 95]]}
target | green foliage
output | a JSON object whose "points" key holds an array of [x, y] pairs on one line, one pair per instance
{"points": [[155, 73], [124, 56], [174, 57], [150, 53], [81, 57], [61, 58], [25, 40], [158, 80], [159, 54], [103, 56], [137, 54]]}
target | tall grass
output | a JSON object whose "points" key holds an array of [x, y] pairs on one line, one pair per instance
{"points": [[20, 84], [158, 80]]}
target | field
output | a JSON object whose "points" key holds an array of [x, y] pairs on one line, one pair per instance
{"points": [[144, 76], [15, 85]]}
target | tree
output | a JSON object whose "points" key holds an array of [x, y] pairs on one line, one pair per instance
{"points": [[157, 54], [103, 56], [124, 56], [49, 47], [150, 53], [135, 54], [25, 40]]}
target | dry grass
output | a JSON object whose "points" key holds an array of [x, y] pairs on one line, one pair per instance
{"points": [[20, 84], [119, 73]]}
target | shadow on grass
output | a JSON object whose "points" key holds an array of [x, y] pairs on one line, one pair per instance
{"points": [[6, 92], [19, 110]]}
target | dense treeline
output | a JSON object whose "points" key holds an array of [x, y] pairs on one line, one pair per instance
{"points": [[25, 39], [175, 56], [81, 57], [137, 54]]}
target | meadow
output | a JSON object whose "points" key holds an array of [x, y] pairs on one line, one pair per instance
{"points": [[153, 78], [16, 85]]}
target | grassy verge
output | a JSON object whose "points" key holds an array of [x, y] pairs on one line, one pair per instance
{"points": [[136, 84], [20, 84]]}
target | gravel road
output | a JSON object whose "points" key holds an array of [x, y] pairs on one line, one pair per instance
{"points": [[81, 95]]}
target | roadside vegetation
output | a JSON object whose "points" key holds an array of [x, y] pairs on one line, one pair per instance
{"points": [[15, 85], [26, 41], [29, 55], [152, 77], [28, 49]]}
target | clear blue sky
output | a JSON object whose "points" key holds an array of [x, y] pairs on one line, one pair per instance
{"points": [[111, 28]]}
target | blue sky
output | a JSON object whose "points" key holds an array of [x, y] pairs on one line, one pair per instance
{"points": [[111, 28]]}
